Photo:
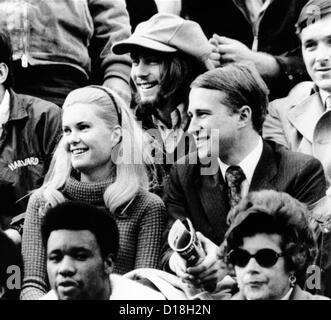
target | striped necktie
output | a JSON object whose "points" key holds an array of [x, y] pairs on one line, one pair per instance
{"points": [[234, 177]]}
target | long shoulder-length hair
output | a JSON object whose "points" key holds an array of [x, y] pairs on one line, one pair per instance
{"points": [[179, 70], [129, 157]]}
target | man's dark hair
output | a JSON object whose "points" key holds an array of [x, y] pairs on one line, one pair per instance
{"points": [[10, 255], [242, 85], [273, 212], [313, 11], [180, 70], [76, 215], [6, 57]]}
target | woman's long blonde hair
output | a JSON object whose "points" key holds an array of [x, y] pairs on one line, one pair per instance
{"points": [[133, 152]]}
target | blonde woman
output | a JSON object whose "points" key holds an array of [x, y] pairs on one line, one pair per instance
{"points": [[101, 159]]}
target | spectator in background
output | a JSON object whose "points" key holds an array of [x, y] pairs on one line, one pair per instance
{"points": [[82, 244], [260, 31], [227, 107], [270, 245], [10, 267], [302, 120], [167, 53], [101, 159], [29, 131], [63, 45]]}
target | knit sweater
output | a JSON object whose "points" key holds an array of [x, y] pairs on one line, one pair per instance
{"points": [[140, 227]]}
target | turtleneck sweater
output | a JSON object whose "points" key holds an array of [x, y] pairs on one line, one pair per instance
{"points": [[140, 225]]}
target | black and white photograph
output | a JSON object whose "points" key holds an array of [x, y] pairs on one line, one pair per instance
{"points": [[165, 154]]}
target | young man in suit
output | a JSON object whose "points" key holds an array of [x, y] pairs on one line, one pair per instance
{"points": [[302, 121], [227, 108]]}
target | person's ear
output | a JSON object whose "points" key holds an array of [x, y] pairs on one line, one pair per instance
{"points": [[116, 136], [3, 72], [245, 116], [108, 264]]}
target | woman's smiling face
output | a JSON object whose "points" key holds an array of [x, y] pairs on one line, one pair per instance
{"points": [[88, 140]]}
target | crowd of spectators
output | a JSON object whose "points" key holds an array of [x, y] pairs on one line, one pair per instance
{"points": [[117, 118]]}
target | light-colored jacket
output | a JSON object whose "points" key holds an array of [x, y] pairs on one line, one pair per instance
{"points": [[78, 33], [301, 123]]}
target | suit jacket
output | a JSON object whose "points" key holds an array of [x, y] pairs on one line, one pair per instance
{"points": [[203, 198], [300, 123], [297, 294]]}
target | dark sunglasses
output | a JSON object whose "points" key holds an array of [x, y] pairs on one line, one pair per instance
{"points": [[266, 258]]}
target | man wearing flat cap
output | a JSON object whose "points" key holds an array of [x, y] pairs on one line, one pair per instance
{"points": [[302, 121], [167, 53]]}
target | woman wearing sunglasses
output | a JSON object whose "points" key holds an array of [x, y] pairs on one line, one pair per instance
{"points": [[101, 159], [270, 245]]}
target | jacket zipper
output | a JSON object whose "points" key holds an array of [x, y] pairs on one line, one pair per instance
{"points": [[255, 29]]}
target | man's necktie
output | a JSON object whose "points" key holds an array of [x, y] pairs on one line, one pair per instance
{"points": [[234, 177]]}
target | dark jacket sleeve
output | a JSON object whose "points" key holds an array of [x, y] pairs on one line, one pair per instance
{"points": [[310, 183], [293, 71], [176, 207], [49, 130]]}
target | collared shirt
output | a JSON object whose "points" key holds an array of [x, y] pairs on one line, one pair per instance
{"points": [[256, 8], [324, 95], [171, 136], [4, 110], [248, 165]]}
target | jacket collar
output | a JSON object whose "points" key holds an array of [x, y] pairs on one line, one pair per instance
{"points": [[305, 115], [17, 107], [212, 189]]}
